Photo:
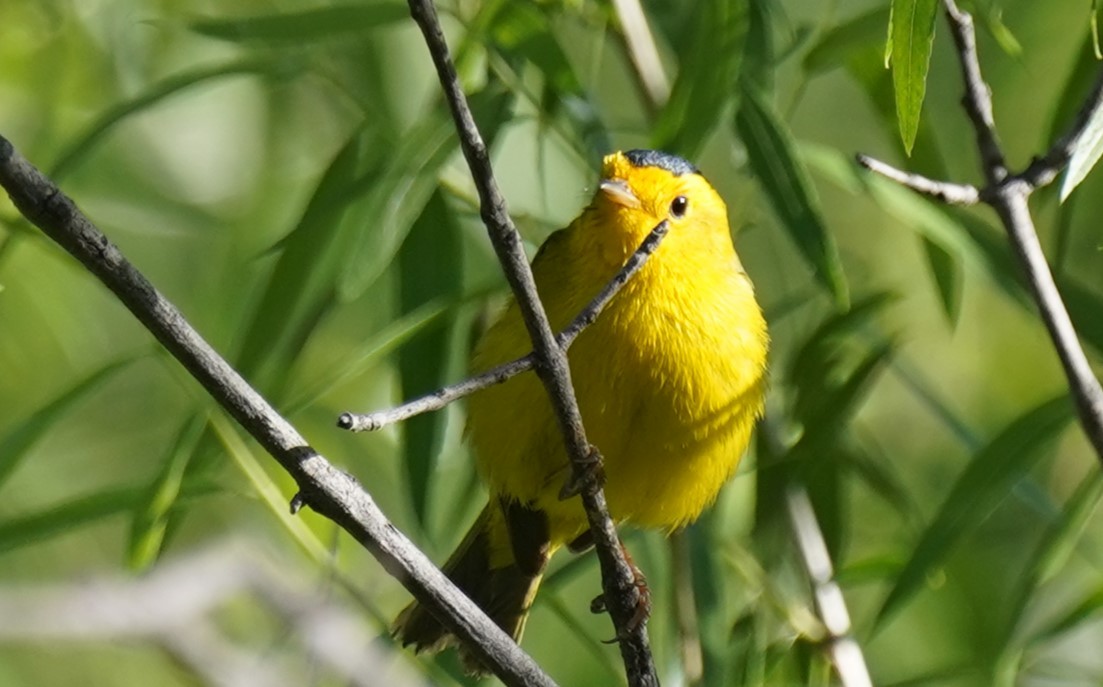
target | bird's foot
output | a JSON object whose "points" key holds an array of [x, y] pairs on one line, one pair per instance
{"points": [[642, 603], [590, 474]]}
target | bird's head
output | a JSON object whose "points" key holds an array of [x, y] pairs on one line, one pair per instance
{"points": [[640, 188]]}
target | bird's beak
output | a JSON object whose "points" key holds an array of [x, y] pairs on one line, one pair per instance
{"points": [[617, 191]]}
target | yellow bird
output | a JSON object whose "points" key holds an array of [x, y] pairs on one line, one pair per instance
{"points": [[670, 380]]}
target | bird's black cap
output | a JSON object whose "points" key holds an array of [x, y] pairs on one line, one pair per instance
{"points": [[656, 158]]}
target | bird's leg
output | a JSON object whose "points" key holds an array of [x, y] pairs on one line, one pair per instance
{"points": [[643, 599], [589, 474]]}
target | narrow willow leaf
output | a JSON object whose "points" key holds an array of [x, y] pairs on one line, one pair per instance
{"points": [[82, 144], [984, 483], [1091, 604], [948, 278], [315, 24], [303, 282], [20, 438], [431, 268], [709, 580], [1054, 548], [707, 79], [781, 172], [991, 17], [835, 47], [65, 518], [267, 489], [1085, 154], [911, 34], [150, 522], [381, 220]]}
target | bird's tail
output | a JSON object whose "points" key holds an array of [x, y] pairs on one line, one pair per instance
{"points": [[498, 565]]}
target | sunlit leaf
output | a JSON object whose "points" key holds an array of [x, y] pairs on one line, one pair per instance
{"points": [[781, 172], [150, 522], [267, 489], [20, 438], [1090, 605], [1055, 546], [1085, 153], [911, 35], [320, 23], [984, 483]]}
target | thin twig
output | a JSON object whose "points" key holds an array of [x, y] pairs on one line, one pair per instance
{"points": [[1010, 202], [497, 375], [978, 97], [326, 489], [1007, 194], [619, 583], [945, 191], [844, 651]]}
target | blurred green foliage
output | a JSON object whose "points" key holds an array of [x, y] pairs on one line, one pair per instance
{"points": [[287, 174]]}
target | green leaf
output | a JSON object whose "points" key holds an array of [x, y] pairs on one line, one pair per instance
{"points": [[984, 483], [707, 78], [431, 269], [782, 174], [151, 516], [380, 222], [266, 488], [709, 580], [948, 278], [1085, 153], [1090, 605], [322, 23], [20, 438], [911, 36], [302, 284], [65, 518], [82, 144], [1055, 547], [837, 45]]}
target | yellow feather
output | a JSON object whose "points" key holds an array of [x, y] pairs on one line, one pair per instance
{"points": [[670, 379]]}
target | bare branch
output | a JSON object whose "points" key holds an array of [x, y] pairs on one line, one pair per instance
{"points": [[442, 397], [1008, 195], [945, 191], [978, 97], [619, 583], [173, 606], [844, 651], [326, 489]]}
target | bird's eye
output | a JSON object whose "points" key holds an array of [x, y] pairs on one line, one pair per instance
{"points": [[679, 206]]}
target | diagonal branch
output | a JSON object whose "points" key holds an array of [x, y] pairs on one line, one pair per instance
{"points": [[619, 584], [328, 490], [497, 375], [1007, 194]]}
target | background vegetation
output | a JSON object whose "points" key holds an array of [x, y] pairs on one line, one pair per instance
{"points": [[286, 173]]}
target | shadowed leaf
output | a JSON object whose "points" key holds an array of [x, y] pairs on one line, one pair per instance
{"points": [[79, 148], [836, 46], [20, 438], [984, 483], [320, 23], [782, 174], [707, 76]]}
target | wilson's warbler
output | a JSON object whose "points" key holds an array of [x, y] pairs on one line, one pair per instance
{"points": [[670, 380]]}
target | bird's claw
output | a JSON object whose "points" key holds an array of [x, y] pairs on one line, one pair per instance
{"points": [[590, 474], [641, 612]]}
